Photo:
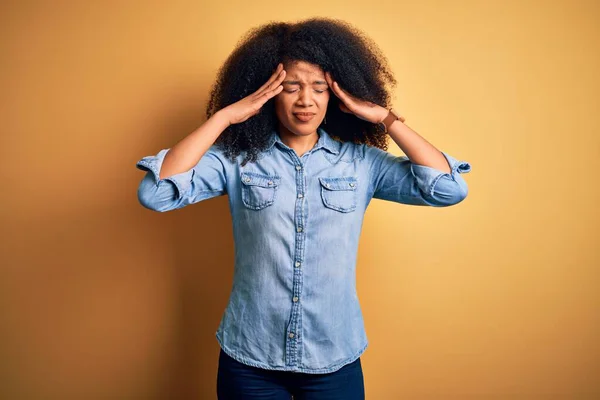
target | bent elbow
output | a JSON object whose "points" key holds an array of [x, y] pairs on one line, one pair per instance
{"points": [[152, 197], [448, 192], [461, 194], [147, 199]]}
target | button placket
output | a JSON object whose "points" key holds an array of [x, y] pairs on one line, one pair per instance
{"points": [[293, 350]]}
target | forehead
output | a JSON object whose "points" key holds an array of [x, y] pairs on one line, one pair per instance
{"points": [[302, 69]]}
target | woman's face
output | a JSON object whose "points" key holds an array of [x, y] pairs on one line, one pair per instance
{"points": [[305, 91]]}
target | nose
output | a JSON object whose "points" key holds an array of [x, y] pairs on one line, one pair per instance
{"points": [[305, 97]]}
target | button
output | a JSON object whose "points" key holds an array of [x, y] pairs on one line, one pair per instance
{"points": [[291, 334], [300, 195], [295, 299], [297, 263], [327, 185], [270, 182], [298, 167], [247, 179], [352, 184], [299, 229]]}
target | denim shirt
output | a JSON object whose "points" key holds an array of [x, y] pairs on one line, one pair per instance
{"points": [[296, 224]]}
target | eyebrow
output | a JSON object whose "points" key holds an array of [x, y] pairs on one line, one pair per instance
{"points": [[298, 82]]}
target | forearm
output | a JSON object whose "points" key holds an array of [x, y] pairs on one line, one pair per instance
{"points": [[416, 148], [189, 150]]}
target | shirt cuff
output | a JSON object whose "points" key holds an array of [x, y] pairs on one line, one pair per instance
{"points": [[182, 181], [427, 177]]}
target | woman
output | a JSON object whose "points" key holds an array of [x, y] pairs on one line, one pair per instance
{"points": [[300, 152]]}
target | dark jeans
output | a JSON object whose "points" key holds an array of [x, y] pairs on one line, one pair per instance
{"points": [[238, 381]]}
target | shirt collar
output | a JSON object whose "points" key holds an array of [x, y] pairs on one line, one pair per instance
{"points": [[325, 141]]}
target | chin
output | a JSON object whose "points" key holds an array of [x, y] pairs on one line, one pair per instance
{"points": [[302, 130]]}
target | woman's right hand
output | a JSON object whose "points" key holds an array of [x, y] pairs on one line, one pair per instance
{"points": [[251, 104]]}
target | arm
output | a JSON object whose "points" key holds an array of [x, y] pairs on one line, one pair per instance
{"points": [[194, 170], [426, 176], [417, 149], [436, 173], [189, 172], [396, 178], [185, 154]]}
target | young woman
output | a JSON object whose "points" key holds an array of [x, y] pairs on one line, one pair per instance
{"points": [[300, 152]]}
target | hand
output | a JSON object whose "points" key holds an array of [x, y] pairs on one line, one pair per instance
{"points": [[251, 104], [364, 110]]}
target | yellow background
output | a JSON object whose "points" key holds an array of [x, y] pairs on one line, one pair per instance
{"points": [[494, 298]]}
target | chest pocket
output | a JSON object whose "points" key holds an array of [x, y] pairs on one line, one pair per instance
{"points": [[339, 193], [258, 190]]}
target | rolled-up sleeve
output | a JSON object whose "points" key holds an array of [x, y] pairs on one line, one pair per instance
{"points": [[396, 178], [205, 180]]}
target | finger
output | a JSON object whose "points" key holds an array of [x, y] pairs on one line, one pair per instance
{"points": [[276, 75], [268, 94], [344, 108], [329, 80], [346, 104], [273, 85], [341, 92], [335, 88], [272, 78]]}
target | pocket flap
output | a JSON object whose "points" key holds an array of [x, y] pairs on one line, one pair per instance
{"points": [[339, 183], [256, 179]]}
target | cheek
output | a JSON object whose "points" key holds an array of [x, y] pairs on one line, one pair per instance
{"points": [[281, 105]]}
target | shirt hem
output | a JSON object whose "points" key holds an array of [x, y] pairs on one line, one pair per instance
{"points": [[324, 370]]}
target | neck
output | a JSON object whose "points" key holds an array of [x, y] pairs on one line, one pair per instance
{"points": [[300, 143]]}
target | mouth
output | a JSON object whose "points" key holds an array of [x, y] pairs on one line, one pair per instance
{"points": [[304, 117]]}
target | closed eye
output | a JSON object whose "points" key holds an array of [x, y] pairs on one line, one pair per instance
{"points": [[292, 91]]}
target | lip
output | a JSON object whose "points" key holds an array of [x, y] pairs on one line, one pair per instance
{"points": [[304, 117]]}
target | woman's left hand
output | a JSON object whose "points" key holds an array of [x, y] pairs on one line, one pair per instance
{"points": [[364, 110]]}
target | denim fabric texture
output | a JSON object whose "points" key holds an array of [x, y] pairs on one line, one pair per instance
{"points": [[236, 380], [296, 225]]}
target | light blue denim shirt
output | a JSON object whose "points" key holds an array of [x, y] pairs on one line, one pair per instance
{"points": [[296, 224]]}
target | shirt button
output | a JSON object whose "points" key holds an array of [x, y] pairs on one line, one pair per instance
{"points": [[300, 195], [298, 167], [299, 229], [270, 182], [352, 185], [291, 334], [247, 179], [297, 263], [295, 299]]}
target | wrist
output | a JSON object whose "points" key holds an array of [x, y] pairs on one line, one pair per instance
{"points": [[383, 112], [391, 117], [223, 117]]}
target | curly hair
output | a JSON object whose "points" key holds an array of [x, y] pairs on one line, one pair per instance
{"points": [[351, 57]]}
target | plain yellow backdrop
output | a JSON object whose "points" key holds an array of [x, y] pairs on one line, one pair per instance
{"points": [[494, 298]]}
